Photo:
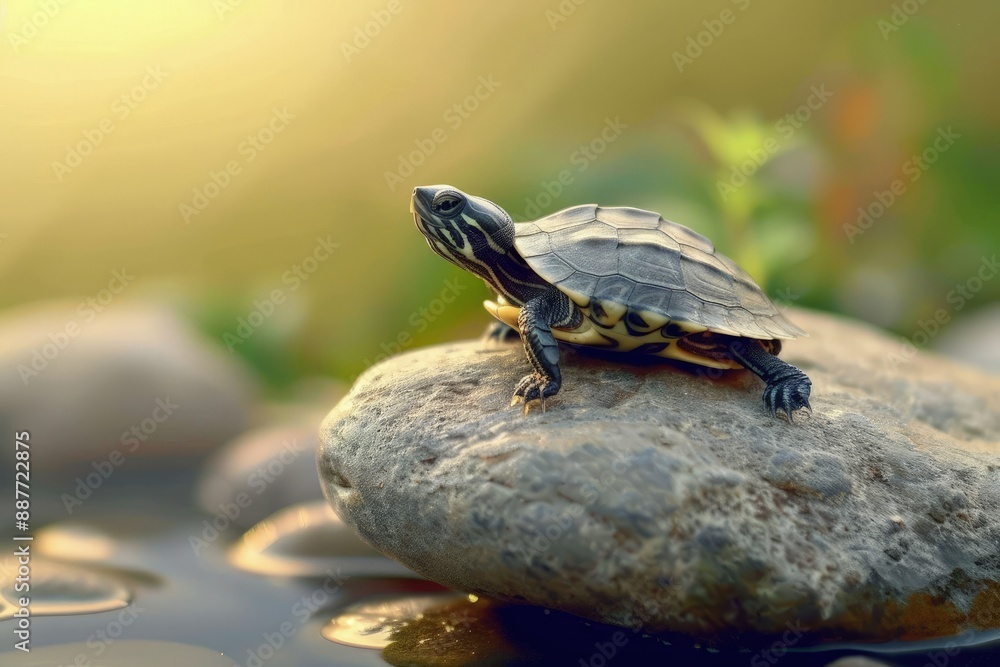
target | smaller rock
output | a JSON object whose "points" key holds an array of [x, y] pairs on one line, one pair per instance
{"points": [[130, 387], [259, 473], [59, 589], [76, 542], [310, 540]]}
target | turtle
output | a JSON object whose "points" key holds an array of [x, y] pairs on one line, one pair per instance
{"points": [[618, 278]]}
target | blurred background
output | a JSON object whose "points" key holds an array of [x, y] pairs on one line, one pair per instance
{"points": [[226, 152], [205, 236]]}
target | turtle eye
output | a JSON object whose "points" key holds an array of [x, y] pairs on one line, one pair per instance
{"points": [[446, 203]]}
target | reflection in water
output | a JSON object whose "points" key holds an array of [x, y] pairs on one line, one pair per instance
{"points": [[463, 632], [969, 640], [122, 653], [372, 624], [58, 589], [448, 629]]}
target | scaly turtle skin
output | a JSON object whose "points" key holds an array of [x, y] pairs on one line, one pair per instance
{"points": [[617, 278]]}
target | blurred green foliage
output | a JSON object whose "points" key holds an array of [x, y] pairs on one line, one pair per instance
{"points": [[781, 141]]}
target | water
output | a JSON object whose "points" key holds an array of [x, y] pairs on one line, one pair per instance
{"points": [[375, 623]]}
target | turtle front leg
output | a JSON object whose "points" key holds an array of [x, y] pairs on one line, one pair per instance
{"points": [[787, 387], [536, 319]]}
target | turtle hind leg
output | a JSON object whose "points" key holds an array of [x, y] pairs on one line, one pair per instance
{"points": [[501, 332], [787, 387], [537, 317]]}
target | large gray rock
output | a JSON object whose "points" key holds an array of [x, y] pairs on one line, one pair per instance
{"points": [[654, 495]]}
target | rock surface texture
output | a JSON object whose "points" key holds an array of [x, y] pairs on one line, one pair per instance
{"points": [[663, 496]]}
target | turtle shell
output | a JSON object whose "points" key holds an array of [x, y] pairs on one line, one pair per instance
{"points": [[631, 271]]}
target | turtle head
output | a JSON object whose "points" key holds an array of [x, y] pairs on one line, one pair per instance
{"points": [[459, 227]]}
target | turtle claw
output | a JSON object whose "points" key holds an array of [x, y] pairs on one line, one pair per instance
{"points": [[520, 399], [787, 396], [534, 387]]}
